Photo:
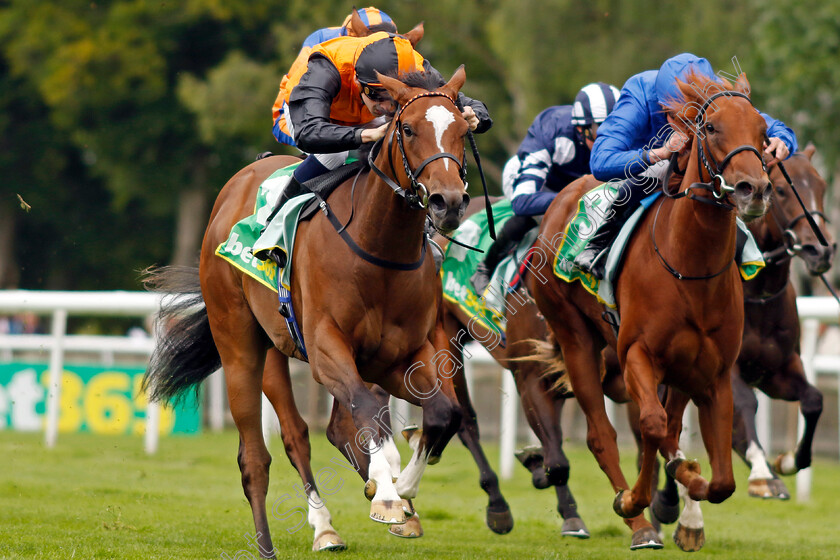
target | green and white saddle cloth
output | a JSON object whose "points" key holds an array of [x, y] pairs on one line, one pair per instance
{"points": [[245, 237]]}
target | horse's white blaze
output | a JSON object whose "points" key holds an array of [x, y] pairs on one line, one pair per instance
{"points": [[409, 480], [392, 455], [380, 472], [758, 463], [319, 516], [441, 118]]}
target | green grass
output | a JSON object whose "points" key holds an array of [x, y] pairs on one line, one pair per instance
{"points": [[96, 497]]}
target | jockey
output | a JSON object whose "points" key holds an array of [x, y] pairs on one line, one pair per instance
{"points": [[373, 20], [629, 142], [333, 97], [554, 153]]}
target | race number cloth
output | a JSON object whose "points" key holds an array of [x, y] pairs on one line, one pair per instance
{"points": [[460, 263], [590, 215], [245, 240]]}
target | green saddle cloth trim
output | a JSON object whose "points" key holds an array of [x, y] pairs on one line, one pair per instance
{"points": [[577, 233], [238, 249], [459, 265]]}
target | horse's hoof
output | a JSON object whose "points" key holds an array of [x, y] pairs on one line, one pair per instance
{"points": [[689, 540], [411, 529], [646, 537], [387, 511], [778, 489], [370, 489], [530, 456], [664, 512], [500, 521], [574, 527], [785, 464], [408, 507], [328, 540], [618, 506], [410, 431]]}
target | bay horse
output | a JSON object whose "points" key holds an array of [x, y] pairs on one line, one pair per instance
{"points": [[541, 398], [770, 357], [367, 302], [680, 299]]}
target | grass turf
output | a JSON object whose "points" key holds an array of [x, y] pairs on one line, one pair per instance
{"points": [[97, 497]]}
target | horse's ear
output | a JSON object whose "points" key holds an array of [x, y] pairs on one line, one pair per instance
{"points": [[399, 91], [357, 25], [415, 34], [742, 84], [454, 85], [810, 150]]}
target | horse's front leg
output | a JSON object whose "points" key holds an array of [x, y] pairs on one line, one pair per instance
{"points": [[332, 361], [642, 381], [763, 483], [426, 382]]}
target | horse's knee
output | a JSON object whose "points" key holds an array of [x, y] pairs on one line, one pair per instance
{"points": [[440, 422], [556, 469], [719, 491], [654, 425], [811, 403]]}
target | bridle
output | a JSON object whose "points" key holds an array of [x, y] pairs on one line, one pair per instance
{"points": [[717, 185], [417, 195]]}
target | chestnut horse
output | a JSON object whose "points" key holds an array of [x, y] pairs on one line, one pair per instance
{"points": [[367, 302], [680, 298], [769, 358]]}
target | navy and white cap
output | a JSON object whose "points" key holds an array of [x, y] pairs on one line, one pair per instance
{"points": [[593, 103]]}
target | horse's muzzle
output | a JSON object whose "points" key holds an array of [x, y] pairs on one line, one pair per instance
{"points": [[818, 258], [447, 209], [752, 198]]}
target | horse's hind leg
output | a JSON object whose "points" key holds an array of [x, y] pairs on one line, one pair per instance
{"points": [[763, 482], [243, 374], [498, 517], [790, 384], [277, 386]]}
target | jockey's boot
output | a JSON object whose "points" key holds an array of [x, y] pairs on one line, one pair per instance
{"points": [[593, 258], [293, 189], [495, 253]]}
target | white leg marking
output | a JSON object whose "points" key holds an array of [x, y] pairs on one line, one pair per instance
{"points": [[392, 455], [319, 516], [409, 481], [380, 472], [691, 517], [441, 118], [758, 463]]}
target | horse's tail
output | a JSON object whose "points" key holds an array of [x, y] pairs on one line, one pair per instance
{"points": [[548, 353], [185, 353]]}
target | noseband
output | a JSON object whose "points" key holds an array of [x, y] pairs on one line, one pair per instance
{"points": [[417, 195], [705, 156]]}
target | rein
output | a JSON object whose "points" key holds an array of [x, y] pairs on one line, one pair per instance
{"points": [[717, 184], [418, 196]]}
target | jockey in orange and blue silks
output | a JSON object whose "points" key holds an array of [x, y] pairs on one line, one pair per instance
{"points": [[623, 149], [335, 97], [374, 20]]}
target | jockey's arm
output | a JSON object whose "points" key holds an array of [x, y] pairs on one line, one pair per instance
{"points": [[309, 109], [619, 150]]}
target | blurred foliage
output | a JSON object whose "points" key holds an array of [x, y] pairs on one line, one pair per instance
{"points": [[111, 109]]}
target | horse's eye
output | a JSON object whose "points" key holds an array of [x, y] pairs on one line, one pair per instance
{"points": [[407, 130], [780, 190], [709, 127]]}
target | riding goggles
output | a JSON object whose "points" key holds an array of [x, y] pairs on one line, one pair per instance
{"points": [[375, 94]]}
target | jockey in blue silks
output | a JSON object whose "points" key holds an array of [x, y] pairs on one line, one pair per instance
{"points": [[554, 153], [625, 147]]}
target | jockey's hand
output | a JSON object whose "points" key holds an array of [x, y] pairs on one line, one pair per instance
{"points": [[777, 149], [373, 134], [675, 143], [470, 116]]}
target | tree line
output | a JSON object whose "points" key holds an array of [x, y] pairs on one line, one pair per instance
{"points": [[120, 120]]}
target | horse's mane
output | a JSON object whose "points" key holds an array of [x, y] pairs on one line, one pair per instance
{"points": [[429, 81], [695, 89]]}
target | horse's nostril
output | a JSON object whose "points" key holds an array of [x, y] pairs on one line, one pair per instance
{"points": [[437, 203], [743, 188]]}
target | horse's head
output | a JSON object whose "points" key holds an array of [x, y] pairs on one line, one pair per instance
{"points": [[427, 136], [787, 223], [728, 137]]}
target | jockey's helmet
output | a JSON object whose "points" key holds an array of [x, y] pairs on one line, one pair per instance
{"points": [[593, 103]]}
